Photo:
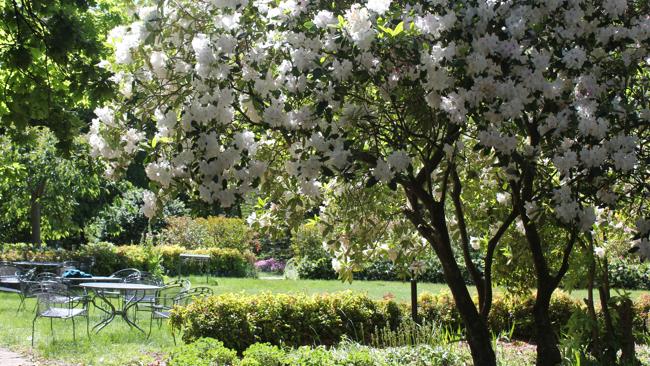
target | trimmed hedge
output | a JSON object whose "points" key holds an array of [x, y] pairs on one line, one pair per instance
{"points": [[106, 258], [240, 320], [293, 320]]}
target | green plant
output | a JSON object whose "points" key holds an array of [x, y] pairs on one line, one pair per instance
{"points": [[123, 221], [203, 352], [282, 319], [265, 354], [209, 232]]}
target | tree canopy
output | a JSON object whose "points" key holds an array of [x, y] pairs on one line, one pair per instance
{"points": [[49, 56], [308, 98]]}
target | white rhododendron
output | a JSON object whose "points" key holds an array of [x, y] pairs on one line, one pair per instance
{"points": [[223, 92], [226, 96]]}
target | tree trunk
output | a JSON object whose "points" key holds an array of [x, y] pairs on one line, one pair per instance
{"points": [[35, 213], [548, 353], [35, 222], [625, 315], [478, 334]]}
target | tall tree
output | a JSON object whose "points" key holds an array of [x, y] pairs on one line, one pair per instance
{"points": [[44, 190], [224, 96]]}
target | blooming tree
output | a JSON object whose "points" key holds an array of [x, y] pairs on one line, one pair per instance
{"points": [[227, 96]]}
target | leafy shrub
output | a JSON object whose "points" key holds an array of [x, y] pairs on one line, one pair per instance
{"points": [[210, 232], [225, 262], [265, 354], [282, 319], [203, 352], [318, 269], [628, 275], [307, 242], [517, 311], [344, 354], [123, 221], [106, 258]]}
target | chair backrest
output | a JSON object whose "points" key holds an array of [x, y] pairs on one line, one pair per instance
{"points": [[52, 297], [125, 273], [8, 270], [187, 297], [68, 265], [145, 278], [46, 276], [185, 284]]}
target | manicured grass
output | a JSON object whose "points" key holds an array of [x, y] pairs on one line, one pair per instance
{"points": [[117, 344], [401, 291]]}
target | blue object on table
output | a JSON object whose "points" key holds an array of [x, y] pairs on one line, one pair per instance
{"points": [[75, 273]]}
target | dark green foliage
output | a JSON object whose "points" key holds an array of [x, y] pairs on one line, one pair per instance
{"points": [[123, 221], [627, 275], [49, 56], [316, 269]]}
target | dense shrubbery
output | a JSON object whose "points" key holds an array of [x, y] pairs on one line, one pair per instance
{"points": [[295, 320], [105, 258], [206, 351], [210, 232], [283, 319], [123, 220]]}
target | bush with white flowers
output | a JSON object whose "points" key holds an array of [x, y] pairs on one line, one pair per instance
{"points": [[226, 94]]}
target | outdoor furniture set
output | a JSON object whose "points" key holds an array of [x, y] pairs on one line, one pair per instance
{"points": [[123, 294]]}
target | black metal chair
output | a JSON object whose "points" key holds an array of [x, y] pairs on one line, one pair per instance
{"points": [[68, 265], [9, 278], [167, 300], [145, 299], [56, 302]]}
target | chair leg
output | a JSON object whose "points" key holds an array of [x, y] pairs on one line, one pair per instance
{"points": [[150, 323], [22, 304], [74, 331], [33, 326], [87, 324]]}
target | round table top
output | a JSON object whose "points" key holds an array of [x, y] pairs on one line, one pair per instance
{"points": [[118, 286], [93, 279]]}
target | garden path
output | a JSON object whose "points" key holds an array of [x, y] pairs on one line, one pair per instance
{"points": [[8, 358]]}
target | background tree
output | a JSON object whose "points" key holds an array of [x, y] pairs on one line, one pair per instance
{"points": [[45, 189]]}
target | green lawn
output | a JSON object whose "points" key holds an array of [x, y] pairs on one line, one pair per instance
{"points": [[117, 344], [375, 289]]}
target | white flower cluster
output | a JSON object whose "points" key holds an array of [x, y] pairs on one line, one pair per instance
{"points": [[320, 92]]}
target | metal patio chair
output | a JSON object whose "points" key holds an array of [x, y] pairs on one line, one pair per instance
{"points": [[166, 301], [55, 302]]}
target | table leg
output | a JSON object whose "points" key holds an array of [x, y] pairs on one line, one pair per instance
{"points": [[128, 304], [111, 314]]}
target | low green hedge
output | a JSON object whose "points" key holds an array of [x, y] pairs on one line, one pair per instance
{"points": [[210, 352], [240, 320], [106, 258]]}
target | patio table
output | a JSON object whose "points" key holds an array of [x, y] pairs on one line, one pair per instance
{"points": [[204, 259], [136, 293], [34, 264], [73, 282]]}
